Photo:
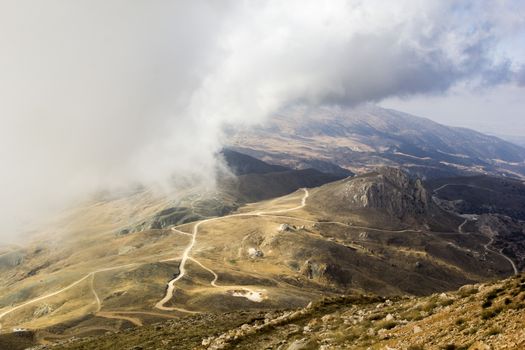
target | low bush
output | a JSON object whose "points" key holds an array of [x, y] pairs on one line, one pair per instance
{"points": [[416, 347], [493, 331], [385, 324], [486, 304], [490, 313], [460, 321]]}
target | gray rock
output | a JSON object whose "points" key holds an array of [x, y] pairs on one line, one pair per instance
{"points": [[303, 344]]}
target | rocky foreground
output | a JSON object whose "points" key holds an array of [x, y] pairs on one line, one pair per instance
{"points": [[481, 316]]}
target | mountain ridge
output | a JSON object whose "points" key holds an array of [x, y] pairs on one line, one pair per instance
{"points": [[364, 137], [385, 231]]}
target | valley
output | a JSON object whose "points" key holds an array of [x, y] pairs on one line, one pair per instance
{"points": [[262, 175], [278, 253], [268, 237]]}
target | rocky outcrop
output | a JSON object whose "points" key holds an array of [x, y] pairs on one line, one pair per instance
{"points": [[387, 197], [458, 320], [388, 189], [326, 272], [42, 310]]}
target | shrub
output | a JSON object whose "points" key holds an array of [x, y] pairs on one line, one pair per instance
{"points": [[486, 314], [489, 313], [492, 294], [386, 324], [377, 316], [486, 304], [411, 315], [449, 347], [467, 291], [429, 307], [447, 302], [349, 336], [493, 331], [416, 347]]}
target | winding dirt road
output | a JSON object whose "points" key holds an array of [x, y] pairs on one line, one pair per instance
{"points": [[460, 227], [491, 239], [466, 185], [182, 271], [2, 315], [186, 255], [171, 284], [114, 315], [248, 293], [486, 247], [91, 274], [500, 253], [170, 288]]}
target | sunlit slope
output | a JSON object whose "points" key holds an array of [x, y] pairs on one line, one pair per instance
{"points": [[282, 252]]}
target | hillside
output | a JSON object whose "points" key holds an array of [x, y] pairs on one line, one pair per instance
{"points": [[494, 205], [245, 179], [256, 180], [242, 164], [482, 195], [388, 196], [476, 317], [344, 237], [364, 137], [230, 175]]}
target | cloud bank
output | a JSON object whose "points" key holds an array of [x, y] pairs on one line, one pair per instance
{"points": [[98, 94]]}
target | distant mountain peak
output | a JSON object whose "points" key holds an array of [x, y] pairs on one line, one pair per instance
{"points": [[361, 138]]}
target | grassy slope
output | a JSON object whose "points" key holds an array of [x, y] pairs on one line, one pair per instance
{"points": [[475, 317], [298, 265]]}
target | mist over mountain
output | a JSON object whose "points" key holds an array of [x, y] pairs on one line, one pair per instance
{"points": [[223, 175], [98, 95]]}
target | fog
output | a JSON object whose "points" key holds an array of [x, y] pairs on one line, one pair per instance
{"points": [[102, 94]]}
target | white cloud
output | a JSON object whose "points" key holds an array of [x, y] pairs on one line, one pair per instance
{"points": [[103, 93]]}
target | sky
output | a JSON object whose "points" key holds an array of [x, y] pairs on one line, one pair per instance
{"points": [[495, 110], [100, 94]]}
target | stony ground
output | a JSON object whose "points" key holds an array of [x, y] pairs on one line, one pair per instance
{"points": [[482, 316], [475, 317]]}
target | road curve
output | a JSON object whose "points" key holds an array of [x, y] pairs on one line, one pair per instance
{"points": [[2, 315], [182, 266], [500, 252], [182, 269], [460, 227], [486, 247]]}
